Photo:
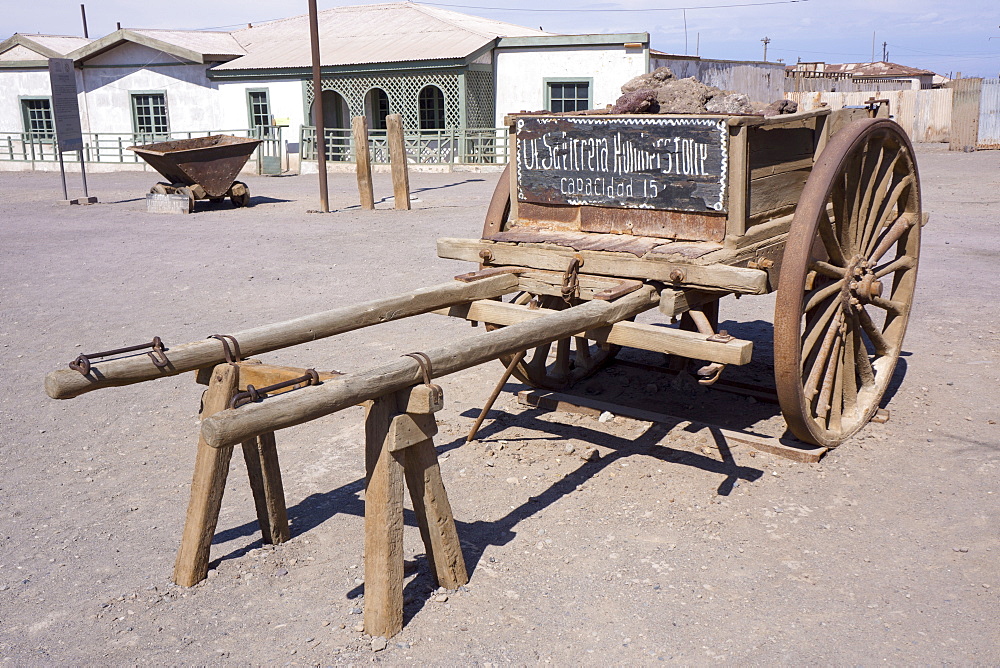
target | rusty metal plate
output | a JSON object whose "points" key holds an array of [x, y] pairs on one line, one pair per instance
{"points": [[614, 243], [643, 162]]}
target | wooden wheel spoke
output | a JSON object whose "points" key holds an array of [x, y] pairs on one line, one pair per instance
{"points": [[861, 360], [540, 359], [819, 295], [819, 365], [850, 383], [561, 367], [830, 241], [890, 305], [827, 269], [875, 208], [869, 175], [904, 262], [887, 210], [817, 328], [874, 333], [829, 379], [895, 232]]}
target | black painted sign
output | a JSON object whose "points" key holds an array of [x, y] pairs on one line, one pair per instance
{"points": [[647, 162]]}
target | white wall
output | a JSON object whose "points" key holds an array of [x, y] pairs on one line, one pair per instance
{"points": [[110, 78], [16, 83], [285, 98], [520, 73]]}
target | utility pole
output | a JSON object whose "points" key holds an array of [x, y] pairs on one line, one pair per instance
{"points": [[885, 54], [317, 106], [766, 40]]}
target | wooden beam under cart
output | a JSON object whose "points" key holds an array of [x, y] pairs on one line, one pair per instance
{"points": [[557, 258]]}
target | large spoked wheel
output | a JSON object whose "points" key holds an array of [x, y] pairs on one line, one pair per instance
{"points": [[561, 364], [847, 281]]}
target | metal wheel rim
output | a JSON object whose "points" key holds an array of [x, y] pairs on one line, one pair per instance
{"points": [[824, 333]]}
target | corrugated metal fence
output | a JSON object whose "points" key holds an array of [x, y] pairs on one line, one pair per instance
{"points": [[762, 82], [924, 114], [798, 84], [989, 115]]}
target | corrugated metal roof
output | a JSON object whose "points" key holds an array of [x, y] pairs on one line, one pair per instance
{"points": [[207, 43], [62, 44], [879, 69], [381, 33]]}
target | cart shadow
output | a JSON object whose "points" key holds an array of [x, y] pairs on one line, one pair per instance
{"points": [[476, 537]]}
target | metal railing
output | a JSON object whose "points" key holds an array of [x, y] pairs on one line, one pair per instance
{"points": [[470, 146], [102, 147]]}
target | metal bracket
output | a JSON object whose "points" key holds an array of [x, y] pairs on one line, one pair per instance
{"points": [[252, 393], [83, 362]]}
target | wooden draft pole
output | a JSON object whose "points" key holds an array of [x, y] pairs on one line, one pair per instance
{"points": [[363, 160], [397, 158], [67, 383], [324, 199], [234, 426]]}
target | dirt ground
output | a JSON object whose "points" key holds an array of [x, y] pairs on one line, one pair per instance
{"points": [[660, 550]]}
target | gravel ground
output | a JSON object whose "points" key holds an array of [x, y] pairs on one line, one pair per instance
{"points": [[658, 550]]}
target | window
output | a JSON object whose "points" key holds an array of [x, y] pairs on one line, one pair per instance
{"points": [[149, 113], [37, 115], [568, 95], [259, 106], [431, 104], [377, 108]]}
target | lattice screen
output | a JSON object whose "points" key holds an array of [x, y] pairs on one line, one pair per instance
{"points": [[479, 99], [402, 90]]}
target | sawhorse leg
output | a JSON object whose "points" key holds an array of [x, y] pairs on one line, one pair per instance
{"points": [[212, 468], [399, 431]]}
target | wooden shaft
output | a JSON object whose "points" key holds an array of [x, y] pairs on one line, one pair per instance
{"points": [[264, 471], [397, 160], [288, 410], [362, 158], [66, 383]]}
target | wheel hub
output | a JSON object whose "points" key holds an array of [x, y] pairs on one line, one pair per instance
{"points": [[862, 284]]}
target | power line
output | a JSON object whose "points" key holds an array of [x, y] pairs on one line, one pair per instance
{"points": [[654, 9]]}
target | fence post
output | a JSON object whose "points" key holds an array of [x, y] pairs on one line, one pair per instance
{"points": [[397, 160], [363, 162]]}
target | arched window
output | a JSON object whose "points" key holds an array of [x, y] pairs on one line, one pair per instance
{"points": [[377, 108], [431, 104], [335, 111]]}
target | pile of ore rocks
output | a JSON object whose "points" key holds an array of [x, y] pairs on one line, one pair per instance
{"points": [[660, 92]]}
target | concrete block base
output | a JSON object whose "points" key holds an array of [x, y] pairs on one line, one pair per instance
{"points": [[156, 203]]}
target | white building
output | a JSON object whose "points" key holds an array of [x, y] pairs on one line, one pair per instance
{"points": [[451, 76]]}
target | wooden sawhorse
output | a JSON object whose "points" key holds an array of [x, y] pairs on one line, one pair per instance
{"points": [[399, 445]]}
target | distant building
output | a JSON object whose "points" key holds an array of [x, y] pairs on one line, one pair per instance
{"points": [[880, 72], [443, 71]]}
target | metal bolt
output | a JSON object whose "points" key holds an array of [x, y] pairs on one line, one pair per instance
{"points": [[486, 255], [677, 276]]}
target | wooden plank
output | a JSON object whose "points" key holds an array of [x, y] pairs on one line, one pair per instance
{"points": [[650, 267], [211, 468], [264, 471], [777, 194], [654, 223], [738, 176], [66, 383], [287, 410], [638, 162], [632, 334], [383, 611], [363, 160], [675, 302], [262, 375], [409, 429], [781, 119], [787, 448], [397, 160], [434, 516], [541, 282]]}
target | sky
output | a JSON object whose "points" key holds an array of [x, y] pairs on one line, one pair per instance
{"points": [[958, 36]]}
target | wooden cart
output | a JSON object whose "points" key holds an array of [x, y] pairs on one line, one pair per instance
{"points": [[822, 207]]}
